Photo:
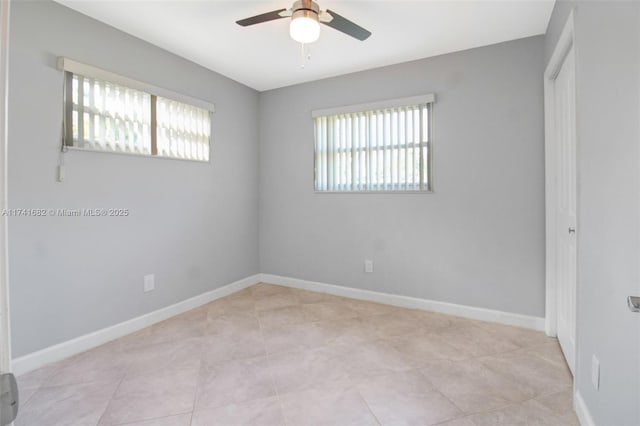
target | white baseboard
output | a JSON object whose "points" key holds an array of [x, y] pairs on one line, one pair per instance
{"points": [[582, 411], [526, 321], [80, 344]]}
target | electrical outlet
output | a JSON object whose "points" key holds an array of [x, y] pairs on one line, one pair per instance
{"points": [[595, 372], [149, 283], [368, 265]]}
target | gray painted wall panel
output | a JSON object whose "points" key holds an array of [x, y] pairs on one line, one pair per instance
{"points": [[607, 49], [194, 225], [478, 240]]}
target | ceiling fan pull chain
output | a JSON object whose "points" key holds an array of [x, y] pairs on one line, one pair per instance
{"points": [[305, 54]]}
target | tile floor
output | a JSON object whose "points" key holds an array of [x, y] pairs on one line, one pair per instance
{"points": [[271, 355]]}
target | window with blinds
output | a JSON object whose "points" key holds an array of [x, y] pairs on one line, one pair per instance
{"points": [[183, 131], [107, 117], [381, 147], [103, 115]]}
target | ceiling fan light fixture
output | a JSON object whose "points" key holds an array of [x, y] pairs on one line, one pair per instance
{"points": [[306, 17], [304, 26]]}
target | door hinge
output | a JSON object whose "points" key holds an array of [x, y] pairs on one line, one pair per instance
{"points": [[9, 401]]}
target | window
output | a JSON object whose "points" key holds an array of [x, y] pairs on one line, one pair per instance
{"points": [[110, 113], [377, 147]]}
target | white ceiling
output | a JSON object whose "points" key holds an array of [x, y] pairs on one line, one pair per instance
{"points": [[264, 57]]}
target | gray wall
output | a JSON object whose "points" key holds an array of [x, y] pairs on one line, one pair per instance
{"points": [[607, 49], [478, 240], [194, 225]]}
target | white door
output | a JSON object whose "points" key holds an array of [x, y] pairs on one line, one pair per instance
{"points": [[4, 291], [565, 128], [7, 409]]}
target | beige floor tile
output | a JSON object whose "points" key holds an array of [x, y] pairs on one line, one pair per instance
{"points": [[244, 293], [234, 382], [520, 336], [327, 311], [434, 321], [473, 388], [561, 404], [261, 412], [549, 351], [179, 420], [464, 421], [422, 348], [25, 394], [476, 341], [232, 323], [159, 394], [175, 329], [197, 314], [461, 321], [305, 296], [265, 289], [79, 404], [105, 363], [295, 371], [346, 331], [393, 324], [326, 407], [270, 353], [372, 358], [231, 304], [228, 347], [164, 356], [295, 337], [273, 301], [406, 399], [558, 402], [171, 330], [135, 340], [409, 382], [366, 309], [36, 378], [529, 413], [540, 375], [274, 318], [569, 418]]}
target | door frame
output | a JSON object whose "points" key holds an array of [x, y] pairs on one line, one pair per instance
{"points": [[5, 329], [565, 43]]}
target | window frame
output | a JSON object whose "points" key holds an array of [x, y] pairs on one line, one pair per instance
{"points": [[427, 99], [69, 67]]}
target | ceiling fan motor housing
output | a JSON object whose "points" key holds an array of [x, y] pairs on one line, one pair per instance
{"points": [[306, 9]]}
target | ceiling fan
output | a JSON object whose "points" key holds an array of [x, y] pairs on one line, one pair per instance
{"points": [[306, 17]]}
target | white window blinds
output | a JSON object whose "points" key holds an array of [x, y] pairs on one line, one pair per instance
{"points": [[183, 131], [107, 112], [384, 148], [108, 117]]}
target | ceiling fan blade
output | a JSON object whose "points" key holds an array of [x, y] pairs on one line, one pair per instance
{"points": [[344, 25], [265, 17]]}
